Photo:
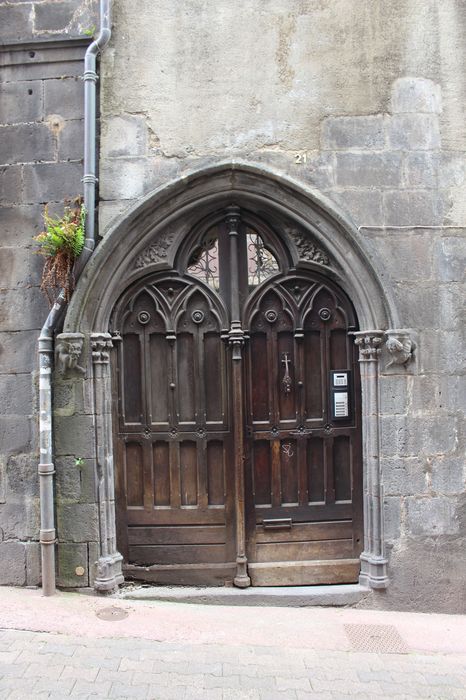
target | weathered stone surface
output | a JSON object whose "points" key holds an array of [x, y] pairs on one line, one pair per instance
{"points": [[413, 208], [77, 522], [450, 258], [18, 351], [417, 132], [19, 518], [68, 479], [64, 96], [15, 22], [22, 309], [33, 564], [69, 557], [94, 553], [125, 135], [431, 516], [363, 205], [22, 477], [416, 95], [20, 224], [21, 102], [406, 256], [71, 140], [449, 474], [20, 267], [2, 483], [110, 212], [353, 132], [394, 394], [13, 568], [124, 179], [10, 184], [426, 573], [15, 433], [52, 182], [421, 170], [54, 16], [442, 351], [404, 476], [26, 143], [392, 518], [368, 169], [452, 169], [74, 435]]}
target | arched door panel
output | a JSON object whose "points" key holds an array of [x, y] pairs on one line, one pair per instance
{"points": [[236, 453], [303, 462], [174, 435]]}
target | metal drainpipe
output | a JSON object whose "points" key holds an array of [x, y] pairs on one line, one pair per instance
{"points": [[46, 350]]}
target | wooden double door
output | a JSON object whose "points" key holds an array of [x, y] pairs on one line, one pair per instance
{"points": [[237, 420]]}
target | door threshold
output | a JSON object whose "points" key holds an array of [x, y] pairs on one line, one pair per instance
{"points": [[279, 596]]}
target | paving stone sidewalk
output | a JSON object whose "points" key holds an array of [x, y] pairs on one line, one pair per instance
{"points": [[45, 665]]}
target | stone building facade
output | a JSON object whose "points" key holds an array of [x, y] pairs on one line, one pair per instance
{"points": [[338, 124]]}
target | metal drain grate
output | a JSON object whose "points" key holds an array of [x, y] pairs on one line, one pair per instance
{"points": [[378, 639]]}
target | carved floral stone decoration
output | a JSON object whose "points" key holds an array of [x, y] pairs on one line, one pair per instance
{"points": [[156, 252], [307, 249]]}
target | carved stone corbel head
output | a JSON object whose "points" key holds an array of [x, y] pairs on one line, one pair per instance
{"points": [[400, 346], [68, 349]]}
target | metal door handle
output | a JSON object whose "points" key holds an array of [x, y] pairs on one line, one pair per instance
{"points": [[286, 381]]}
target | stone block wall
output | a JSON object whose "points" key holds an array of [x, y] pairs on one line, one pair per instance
{"points": [[41, 144], [359, 101]]}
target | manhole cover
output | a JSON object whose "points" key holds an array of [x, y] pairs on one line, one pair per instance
{"points": [[112, 614], [378, 639]]}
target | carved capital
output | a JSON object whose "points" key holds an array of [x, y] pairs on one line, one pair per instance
{"points": [[101, 344], [68, 348], [369, 343], [400, 346], [232, 219]]}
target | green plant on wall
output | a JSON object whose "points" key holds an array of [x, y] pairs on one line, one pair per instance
{"points": [[61, 244]]}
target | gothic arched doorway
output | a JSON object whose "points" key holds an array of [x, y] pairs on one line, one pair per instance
{"points": [[237, 415]]}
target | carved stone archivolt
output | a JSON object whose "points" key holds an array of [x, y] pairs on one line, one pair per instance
{"points": [[69, 347], [400, 347], [155, 252], [307, 249]]}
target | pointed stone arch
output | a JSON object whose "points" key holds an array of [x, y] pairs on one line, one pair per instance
{"points": [[148, 238]]}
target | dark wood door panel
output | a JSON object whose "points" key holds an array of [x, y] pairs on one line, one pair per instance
{"points": [[172, 534], [299, 551], [177, 554], [174, 434], [303, 464], [306, 532], [304, 573]]}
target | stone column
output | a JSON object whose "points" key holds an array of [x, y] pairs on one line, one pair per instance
{"points": [[109, 574], [373, 560]]}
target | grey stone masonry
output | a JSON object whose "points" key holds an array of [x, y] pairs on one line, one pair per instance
{"points": [[41, 111]]}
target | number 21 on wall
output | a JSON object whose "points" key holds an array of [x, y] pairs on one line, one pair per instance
{"points": [[300, 158]]}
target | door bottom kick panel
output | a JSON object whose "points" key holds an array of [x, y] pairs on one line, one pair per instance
{"points": [[182, 574], [304, 573]]}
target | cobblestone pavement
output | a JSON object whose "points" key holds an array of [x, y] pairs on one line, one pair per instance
{"points": [[44, 665], [68, 646]]}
